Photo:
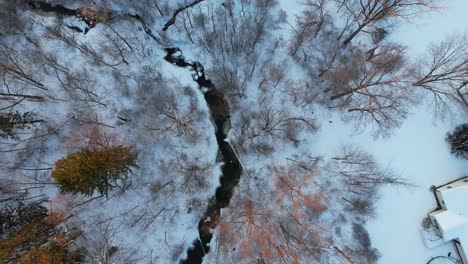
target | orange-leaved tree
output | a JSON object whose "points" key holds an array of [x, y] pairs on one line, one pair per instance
{"points": [[282, 227]]}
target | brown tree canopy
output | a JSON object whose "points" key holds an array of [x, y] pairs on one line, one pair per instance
{"points": [[280, 227], [373, 87]]}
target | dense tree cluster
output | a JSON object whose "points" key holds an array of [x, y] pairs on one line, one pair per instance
{"points": [[366, 76], [10, 123], [31, 234], [458, 141]]}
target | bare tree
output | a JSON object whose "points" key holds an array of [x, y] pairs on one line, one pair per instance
{"points": [[273, 122], [361, 177], [82, 87], [309, 23], [12, 23], [104, 243], [443, 71], [172, 20], [359, 168], [278, 227], [362, 15], [301, 94], [373, 88], [191, 174], [115, 49], [15, 73], [165, 112], [234, 40], [70, 40]]}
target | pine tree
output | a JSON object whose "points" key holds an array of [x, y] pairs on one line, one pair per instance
{"points": [[11, 122], [94, 169], [53, 253], [30, 234], [459, 141], [18, 213]]}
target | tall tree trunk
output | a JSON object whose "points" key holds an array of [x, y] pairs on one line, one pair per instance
{"points": [[336, 96], [348, 39]]}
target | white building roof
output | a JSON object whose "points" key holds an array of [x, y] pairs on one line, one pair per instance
{"points": [[453, 221], [455, 197]]}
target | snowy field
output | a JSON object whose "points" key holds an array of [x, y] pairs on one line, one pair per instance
{"points": [[417, 151]]}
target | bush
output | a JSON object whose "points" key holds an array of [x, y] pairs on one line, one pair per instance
{"points": [[31, 235], [11, 122], [363, 247], [94, 169], [458, 141]]}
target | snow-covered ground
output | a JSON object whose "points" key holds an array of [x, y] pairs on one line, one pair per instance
{"points": [[417, 151]]}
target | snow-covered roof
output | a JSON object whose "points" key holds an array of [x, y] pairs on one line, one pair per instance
{"points": [[453, 221]]}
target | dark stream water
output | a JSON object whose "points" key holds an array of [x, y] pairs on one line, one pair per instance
{"points": [[231, 170], [89, 23]]}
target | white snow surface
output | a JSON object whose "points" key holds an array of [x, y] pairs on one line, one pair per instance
{"points": [[420, 154], [417, 150]]}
